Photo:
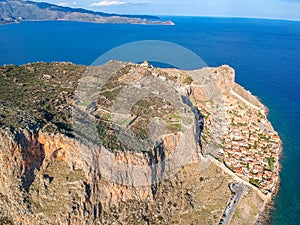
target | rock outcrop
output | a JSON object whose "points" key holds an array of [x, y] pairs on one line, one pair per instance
{"points": [[47, 178]]}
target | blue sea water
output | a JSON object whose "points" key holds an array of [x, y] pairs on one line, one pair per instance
{"points": [[265, 54]]}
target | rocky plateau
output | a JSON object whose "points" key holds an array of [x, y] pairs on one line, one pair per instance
{"points": [[47, 177]]}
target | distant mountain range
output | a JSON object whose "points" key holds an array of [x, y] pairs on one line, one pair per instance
{"points": [[12, 11]]}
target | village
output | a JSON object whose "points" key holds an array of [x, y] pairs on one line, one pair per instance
{"points": [[251, 147]]}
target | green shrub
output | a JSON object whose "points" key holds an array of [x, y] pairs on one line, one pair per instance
{"points": [[5, 221], [254, 182], [188, 80]]}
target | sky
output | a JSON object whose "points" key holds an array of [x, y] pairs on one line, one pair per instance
{"points": [[272, 9]]}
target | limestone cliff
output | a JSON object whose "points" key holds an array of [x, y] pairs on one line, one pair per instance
{"points": [[46, 178]]}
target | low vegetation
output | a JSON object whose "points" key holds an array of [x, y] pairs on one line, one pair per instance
{"points": [[5, 221], [188, 80], [38, 94]]}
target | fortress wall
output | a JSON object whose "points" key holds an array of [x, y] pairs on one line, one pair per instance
{"points": [[247, 95]]}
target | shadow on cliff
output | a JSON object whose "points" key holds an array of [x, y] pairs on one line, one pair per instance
{"points": [[199, 117], [157, 166], [33, 155], [157, 156]]}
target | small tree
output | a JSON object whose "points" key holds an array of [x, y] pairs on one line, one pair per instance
{"points": [[188, 80]]}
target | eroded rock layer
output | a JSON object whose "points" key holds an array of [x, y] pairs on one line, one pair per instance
{"points": [[47, 178]]}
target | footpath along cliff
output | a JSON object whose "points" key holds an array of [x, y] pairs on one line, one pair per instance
{"points": [[49, 176]]}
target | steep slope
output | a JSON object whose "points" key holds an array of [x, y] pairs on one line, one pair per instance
{"points": [[48, 177]]}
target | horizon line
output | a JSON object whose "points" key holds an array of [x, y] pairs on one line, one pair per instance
{"points": [[223, 16]]}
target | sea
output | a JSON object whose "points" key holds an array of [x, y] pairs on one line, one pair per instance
{"points": [[264, 53]]}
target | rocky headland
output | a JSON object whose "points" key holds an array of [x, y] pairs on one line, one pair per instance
{"points": [[14, 11], [47, 178]]}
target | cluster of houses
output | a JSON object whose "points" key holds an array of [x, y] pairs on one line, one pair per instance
{"points": [[251, 146]]}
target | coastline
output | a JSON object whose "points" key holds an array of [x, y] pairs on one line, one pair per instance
{"points": [[18, 11], [265, 216], [9, 22], [224, 75], [264, 148], [274, 99], [142, 22]]}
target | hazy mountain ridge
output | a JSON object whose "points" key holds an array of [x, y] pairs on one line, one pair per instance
{"points": [[19, 10]]}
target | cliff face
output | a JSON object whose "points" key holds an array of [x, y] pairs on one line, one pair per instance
{"points": [[47, 178]]}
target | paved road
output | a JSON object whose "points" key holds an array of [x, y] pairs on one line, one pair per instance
{"points": [[238, 190]]}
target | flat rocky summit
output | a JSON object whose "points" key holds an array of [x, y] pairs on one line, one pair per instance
{"points": [[48, 178]]}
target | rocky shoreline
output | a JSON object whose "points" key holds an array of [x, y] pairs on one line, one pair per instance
{"points": [[264, 217]]}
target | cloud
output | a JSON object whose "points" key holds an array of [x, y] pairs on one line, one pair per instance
{"points": [[67, 3], [107, 3], [62, 4]]}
